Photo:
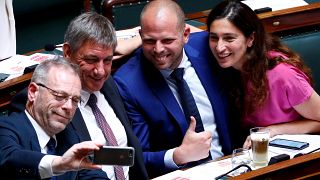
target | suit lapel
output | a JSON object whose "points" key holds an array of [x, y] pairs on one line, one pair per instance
{"points": [[34, 143], [80, 126], [30, 133], [206, 77], [214, 89], [161, 89], [110, 92]]}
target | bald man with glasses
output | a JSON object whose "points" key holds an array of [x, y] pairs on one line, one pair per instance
{"points": [[37, 143]]}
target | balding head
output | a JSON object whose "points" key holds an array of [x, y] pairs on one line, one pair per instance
{"points": [[164, 11]]}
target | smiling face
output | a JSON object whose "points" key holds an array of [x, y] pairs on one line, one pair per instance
{"points": [[162, 40], [50, 111], [95, 61], [228, 44]]}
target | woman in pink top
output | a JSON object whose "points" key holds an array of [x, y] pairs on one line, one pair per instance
{"points": [[274, 88]]}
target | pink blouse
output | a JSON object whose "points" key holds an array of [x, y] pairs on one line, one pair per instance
{"points": [[288, 87]]}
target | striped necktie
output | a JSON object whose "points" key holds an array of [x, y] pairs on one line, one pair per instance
{"points": [[106, 130]]}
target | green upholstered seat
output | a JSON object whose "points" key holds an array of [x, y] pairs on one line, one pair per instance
{"points": [[307, 44], [126, 13], [39, 22]]}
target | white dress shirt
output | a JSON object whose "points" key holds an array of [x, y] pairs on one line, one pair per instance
{"points": [[202, 102], [95, 131], [45, 165]]}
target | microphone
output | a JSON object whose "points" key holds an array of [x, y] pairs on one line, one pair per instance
{"points": [[51, 47]]}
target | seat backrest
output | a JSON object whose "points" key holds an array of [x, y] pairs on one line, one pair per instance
{"points": [[125, 13], [192, 6], [307, 44], [40, 22]]}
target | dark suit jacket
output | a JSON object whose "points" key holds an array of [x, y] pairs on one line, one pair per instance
{"points": [[110, 91], [20, 152], [158, 121]]}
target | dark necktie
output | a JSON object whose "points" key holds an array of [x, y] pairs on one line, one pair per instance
{"points": [[51, 146], [51, 149], [188, 105], [106, 130], [187, 101]]}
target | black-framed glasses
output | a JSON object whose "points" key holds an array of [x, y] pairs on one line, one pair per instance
{"points": [[61, 96]]}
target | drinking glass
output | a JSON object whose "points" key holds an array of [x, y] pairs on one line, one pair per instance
{"points": [[259, 142], [240, 156]]}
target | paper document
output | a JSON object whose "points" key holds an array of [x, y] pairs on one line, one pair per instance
{"points": [[16, 64], [127, 33], [204, 172], [274, 4]]}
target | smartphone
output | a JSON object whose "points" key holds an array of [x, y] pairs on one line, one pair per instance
{"points": [[114, 155], [289, 144]]}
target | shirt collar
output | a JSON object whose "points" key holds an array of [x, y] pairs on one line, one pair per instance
{"points": [[85, 97], [166, 72], [43, 137]]}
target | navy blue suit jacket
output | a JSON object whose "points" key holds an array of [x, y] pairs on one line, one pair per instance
{"points": [[111, 93], [158, 121], [20, 152]]}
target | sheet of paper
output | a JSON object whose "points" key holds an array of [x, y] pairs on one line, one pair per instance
{"points": [[204, 172], [274, 4], [127, 33], [16, 64]]}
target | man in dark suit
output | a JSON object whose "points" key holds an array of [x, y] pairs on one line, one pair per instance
{"points": [[25, 137], [90, 42], [154, 102]]}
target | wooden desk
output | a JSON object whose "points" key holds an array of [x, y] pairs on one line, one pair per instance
{"points": [[292, 18], [278, 21], [303, 167], [9, 88]]}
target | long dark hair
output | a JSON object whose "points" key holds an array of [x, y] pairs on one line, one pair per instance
{"points": [[255, 68]]}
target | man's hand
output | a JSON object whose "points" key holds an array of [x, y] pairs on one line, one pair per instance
{"points": [[76, 158], [195, 146]]}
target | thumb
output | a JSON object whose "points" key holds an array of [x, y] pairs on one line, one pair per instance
{"points": [[192, 125]]}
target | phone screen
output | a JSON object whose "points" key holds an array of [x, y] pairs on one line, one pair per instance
{"points": [[285, 143]]}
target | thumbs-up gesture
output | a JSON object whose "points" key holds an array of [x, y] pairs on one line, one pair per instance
{"points": [[195, 146]]}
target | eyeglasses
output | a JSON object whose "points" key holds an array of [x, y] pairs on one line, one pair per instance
{"points": [[62, 96]]}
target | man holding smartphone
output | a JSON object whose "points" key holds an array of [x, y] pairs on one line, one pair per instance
{"points": [[38, 142], [90, 41]]}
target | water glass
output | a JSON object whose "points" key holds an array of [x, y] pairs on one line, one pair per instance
{"points": [[240, 156]]}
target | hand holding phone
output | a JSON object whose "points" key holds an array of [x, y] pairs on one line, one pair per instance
{"points": [[289, 144], [114, 155]]}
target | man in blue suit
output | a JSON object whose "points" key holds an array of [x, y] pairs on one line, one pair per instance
{"points": [[151, 97], [37, 143]]}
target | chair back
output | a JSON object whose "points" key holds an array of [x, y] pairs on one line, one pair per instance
{"points": [[307, 45]]}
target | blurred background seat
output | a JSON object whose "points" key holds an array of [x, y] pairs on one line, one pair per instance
{"points": [[39, 22], [125, 13]]}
